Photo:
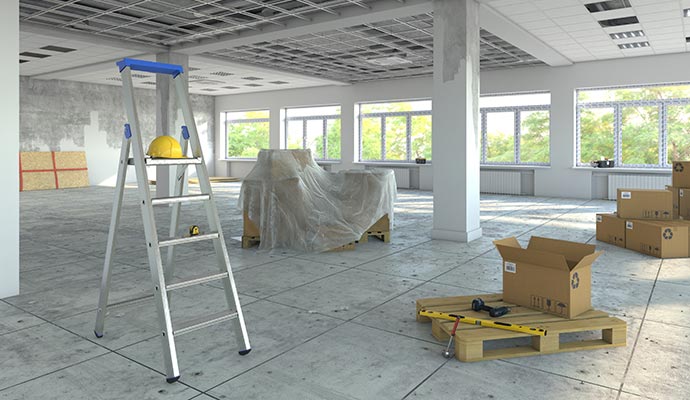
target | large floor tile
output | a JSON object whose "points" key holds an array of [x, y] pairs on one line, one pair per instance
{"points": [[83, 296], [498, 380], [39, 350], [482, 274], [269, 279], [621, 296], [349, 362], [416, 263], [347, 294], [13, 319], [94, 379], [660, 366], [209, 357], [670, 304]]}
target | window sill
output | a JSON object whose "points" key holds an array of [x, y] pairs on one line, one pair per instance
{"points": [[327, 162], [623, 170], [513, 166], [391, 164]]}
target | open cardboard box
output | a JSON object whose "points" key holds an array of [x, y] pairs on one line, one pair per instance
{"points": [[553, 276]]}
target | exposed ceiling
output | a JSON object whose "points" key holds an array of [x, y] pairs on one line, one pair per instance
{"points": [[397, 48], [169, 22], [576, 32], [317, 42]]}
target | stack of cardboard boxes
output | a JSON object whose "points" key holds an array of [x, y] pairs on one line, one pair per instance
{"points": [[654, 222]]}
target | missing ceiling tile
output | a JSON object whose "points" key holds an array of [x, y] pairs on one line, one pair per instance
{"points": [[253, 85], [279, 82], [34, 55], [23, 61], [252, 78], [58, 49], [607, 5], [221, 73], [230, 87], [607, 23]]}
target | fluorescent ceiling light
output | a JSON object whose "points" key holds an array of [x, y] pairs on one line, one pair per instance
{"points": [[388, 61], [607, 5], [635, 45], [607, 23], [626, 35]]}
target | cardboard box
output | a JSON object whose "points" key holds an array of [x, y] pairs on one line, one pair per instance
{"points": [[553, 276], [663, 239], [611, 229], [644, 204], [681, 174], [684, 203]]}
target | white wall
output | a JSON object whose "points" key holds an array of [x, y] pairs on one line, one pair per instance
{"points": [[9, 156], [560, 180]]}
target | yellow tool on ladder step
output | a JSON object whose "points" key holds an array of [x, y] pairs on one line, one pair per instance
{"points": [[484, 322]]}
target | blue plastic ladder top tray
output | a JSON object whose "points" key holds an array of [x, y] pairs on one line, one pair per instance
{"points": [[150, 66]]}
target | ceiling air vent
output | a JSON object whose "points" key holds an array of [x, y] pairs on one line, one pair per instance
{"points": [[58, 49], [388, 61]]}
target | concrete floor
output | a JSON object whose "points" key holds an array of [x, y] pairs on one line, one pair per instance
{"points": [[323, 326]]}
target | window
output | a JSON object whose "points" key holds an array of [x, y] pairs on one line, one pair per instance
{"points": [[515, 128], [399, 131], [246, 132], [643, 126], [315, 128]]}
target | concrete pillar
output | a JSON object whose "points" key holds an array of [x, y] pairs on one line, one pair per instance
{"points": [[349, 135], [456, 137], [9, 151], [167, 109]]}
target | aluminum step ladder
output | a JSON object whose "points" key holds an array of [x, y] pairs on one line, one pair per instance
{"points": [[163, 280]]}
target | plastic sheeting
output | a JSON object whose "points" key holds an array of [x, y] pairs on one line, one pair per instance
{"points": [[298, 205]]}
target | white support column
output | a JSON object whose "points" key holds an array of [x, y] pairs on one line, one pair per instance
{"points": [[9, 151], [166, 116], [348, 136], [456, 138]]}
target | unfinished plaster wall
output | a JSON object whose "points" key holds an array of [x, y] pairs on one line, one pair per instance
{"points": [[58, 115]]}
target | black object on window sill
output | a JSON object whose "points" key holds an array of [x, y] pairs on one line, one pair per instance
{"points": [[603, 163], [420, 160]]}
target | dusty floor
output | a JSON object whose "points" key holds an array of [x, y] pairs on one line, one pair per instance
{"points": [[323, 326]]}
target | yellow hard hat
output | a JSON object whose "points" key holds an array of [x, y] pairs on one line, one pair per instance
{"points": [[165, 147]]}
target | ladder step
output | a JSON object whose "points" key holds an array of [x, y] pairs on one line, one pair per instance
{"points": [[168, 161], [188, 239], [180, 199], [203, 322], [197, 280]]}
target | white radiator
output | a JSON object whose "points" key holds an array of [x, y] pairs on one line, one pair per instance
{"points": [[500, 182], [402, 177], [638, 181]]}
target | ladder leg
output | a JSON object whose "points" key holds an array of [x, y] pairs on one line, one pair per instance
{"points": [[153, 250], [231, 295], [112, 238]]}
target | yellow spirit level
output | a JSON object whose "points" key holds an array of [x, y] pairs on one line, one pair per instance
{"points": [[484, 322]]}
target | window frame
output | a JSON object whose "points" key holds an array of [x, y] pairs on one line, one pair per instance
{"points": [[324, 137], [618, 106], [517, 126], [226, 121], [382, 119]]}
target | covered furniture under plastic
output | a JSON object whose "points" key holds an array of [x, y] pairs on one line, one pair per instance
{"points": [[289, 201]]}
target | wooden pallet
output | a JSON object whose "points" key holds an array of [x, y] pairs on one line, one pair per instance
{"points": [[470, 339], [250, 241], [385, 237]]}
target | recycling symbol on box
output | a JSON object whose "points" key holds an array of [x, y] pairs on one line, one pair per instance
{"points": [[678, 167], [668, 234], [575, 282]]}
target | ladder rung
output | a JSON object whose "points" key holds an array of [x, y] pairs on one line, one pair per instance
{"points": [[180, 199], [197, 280], [188, 239], [168, 161], [203, 322]]}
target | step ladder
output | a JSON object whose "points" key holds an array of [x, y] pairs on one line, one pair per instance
{"points": [[163, 279]]}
